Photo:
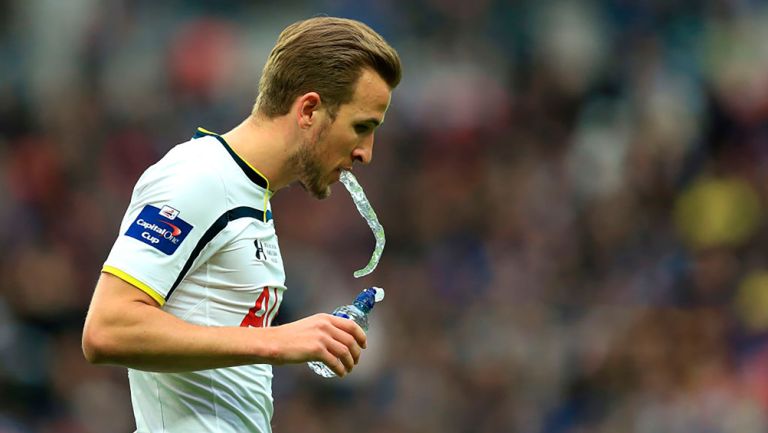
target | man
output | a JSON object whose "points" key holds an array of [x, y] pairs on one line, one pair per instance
{"points": [[187, 294]]}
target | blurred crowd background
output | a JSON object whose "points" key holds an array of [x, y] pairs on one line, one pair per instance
{"points": [[574, 194]]}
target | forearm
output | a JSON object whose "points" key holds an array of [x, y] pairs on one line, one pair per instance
{"points": [[148, 338], [125, 326]]}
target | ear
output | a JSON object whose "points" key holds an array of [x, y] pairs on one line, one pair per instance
{"points": [[308, 107]]}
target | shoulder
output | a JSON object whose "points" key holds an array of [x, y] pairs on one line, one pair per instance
{"points": [[187, 177], [188, 166]]}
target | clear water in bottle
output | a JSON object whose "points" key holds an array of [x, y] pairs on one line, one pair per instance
{"points": [[357, 311]]}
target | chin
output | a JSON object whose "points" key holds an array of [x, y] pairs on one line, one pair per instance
{"points": [[322, 194], [317, 191]]}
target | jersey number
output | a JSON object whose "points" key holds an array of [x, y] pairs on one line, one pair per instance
{"points": [[257, 315]]}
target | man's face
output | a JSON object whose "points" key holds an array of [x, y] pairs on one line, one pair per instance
{"points": [[337, 144]]}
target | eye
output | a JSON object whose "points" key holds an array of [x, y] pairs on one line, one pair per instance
{"points": [[362, 129]]}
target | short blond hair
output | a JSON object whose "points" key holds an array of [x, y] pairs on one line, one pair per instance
{"points": [[324, 55]]}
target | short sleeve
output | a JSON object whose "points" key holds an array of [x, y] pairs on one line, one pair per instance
{"points": [[173, 204]]}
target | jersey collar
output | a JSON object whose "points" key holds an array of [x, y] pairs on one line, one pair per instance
{"points": [[253, 174]]}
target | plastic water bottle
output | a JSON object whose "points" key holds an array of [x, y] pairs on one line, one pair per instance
{"points": [[357, 311]]}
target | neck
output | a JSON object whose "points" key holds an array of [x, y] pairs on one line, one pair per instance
{"points": [[267, 145]]}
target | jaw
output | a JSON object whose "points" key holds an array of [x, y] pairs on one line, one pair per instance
{"points": [[316, 191], [314, 180]]}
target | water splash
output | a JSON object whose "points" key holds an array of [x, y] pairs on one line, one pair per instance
{"points": [[365, 209]]}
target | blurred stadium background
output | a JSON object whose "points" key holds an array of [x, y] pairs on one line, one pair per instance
{"points": [[574, 194]]}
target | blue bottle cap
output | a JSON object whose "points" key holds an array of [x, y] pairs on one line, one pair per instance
{"points": [[366, 299]]}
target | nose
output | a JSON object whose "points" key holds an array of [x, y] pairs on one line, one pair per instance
{"points": [[364, 152]]}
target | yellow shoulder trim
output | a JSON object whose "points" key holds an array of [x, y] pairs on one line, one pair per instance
{"points": [[133, 281], [252, 167], [201, 129]]}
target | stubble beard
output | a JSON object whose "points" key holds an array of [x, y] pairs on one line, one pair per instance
{"points": [[312, 178]]}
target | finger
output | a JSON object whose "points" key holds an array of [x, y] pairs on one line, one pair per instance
{"points": [[339, 368], [334, 364], [343, 354], [347, 332], [351, 328], [355, 351], [349, 342]]}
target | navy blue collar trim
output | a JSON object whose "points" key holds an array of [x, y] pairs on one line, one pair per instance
{"points": [[252, 174], [217, 226]]}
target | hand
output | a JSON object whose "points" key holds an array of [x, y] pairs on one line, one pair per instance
{"points": [[335, 341]]}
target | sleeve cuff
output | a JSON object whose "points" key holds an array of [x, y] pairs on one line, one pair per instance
{"points": [[134, 282]]}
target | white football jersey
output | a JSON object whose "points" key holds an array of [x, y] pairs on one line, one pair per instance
{"points": [[199, 238]]}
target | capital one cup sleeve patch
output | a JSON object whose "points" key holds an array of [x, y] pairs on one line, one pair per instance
{"points": [[154, 227]]}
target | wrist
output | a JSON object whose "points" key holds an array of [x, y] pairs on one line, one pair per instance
{"points": [[262, 346]]}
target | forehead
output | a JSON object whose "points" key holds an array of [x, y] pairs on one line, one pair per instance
{"points": [[370, 99]]}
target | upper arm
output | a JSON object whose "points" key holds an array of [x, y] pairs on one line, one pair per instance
{"points": [[113, 292], [171, 208], [113, 302]]}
